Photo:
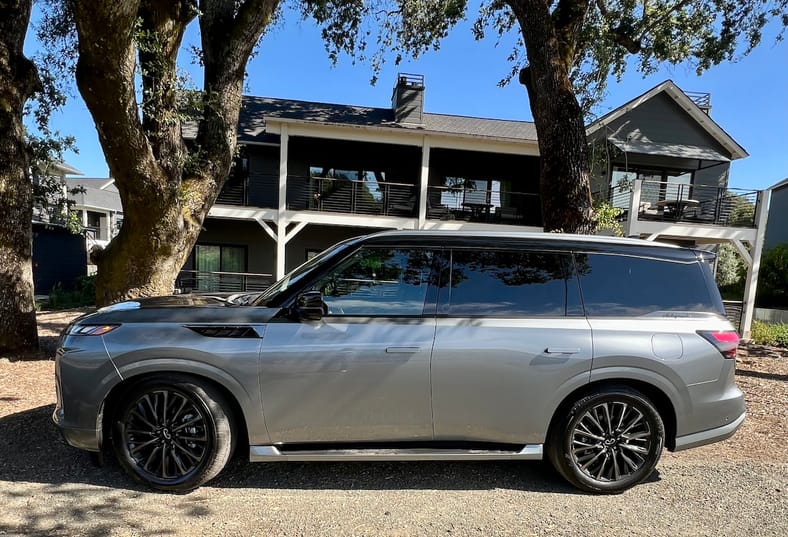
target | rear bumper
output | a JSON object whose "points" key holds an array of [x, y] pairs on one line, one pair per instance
{"points": [[87, 439], [702, 438]]}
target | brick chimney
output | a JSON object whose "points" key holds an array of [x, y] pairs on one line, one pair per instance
{"points": [[407, 99]]}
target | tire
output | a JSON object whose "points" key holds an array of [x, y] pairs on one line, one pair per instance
{"points": [[608, 442], [173, 433]]}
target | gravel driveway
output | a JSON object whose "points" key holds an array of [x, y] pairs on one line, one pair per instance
{"points": [[739, 487]]}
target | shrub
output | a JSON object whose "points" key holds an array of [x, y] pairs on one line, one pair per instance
{"points": [[775, 334], [81, 293], [773, 278]]}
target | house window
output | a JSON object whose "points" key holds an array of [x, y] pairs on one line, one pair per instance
{"points": [[212, 260], [367, 183]]}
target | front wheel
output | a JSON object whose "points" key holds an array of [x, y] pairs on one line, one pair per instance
{"points": [[173, 433], [609, 441]]}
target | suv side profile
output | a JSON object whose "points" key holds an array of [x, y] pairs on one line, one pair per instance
{"points": [[594, 352]]}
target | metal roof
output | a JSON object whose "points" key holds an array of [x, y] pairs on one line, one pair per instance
{"points": [[645, 147]]}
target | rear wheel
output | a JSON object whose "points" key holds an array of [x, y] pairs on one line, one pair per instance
{"points": [[609, 441], [173, 433]]}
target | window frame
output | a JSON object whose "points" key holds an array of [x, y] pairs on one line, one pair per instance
{"points": [[428, 304], [573, 304]]}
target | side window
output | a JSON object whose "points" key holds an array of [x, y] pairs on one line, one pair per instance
{"points": [[494, 283], [378, 282], [617, 285]]}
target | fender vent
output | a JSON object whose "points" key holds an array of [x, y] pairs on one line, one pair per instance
{"points": [[228, 331]]}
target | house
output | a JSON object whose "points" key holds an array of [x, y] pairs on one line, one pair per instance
{"points": [[777, 228], [310, 174], [59, 255], [97, 204]]}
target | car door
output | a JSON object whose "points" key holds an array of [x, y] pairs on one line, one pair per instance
{"points": [[510, 337], [362, 372]]}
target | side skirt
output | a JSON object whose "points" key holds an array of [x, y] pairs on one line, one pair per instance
{"points": [[282, 454]]}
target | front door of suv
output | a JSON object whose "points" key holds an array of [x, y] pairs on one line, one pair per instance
{"points": [[362, 372], [510, 336]]}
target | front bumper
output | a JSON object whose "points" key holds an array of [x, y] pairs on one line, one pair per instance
{"points": [[87, 439]]}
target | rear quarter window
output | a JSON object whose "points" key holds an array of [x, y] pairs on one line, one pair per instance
{"points": [[620, 285]]}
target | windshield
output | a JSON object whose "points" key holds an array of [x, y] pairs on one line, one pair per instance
{"points": [[296, 274]]}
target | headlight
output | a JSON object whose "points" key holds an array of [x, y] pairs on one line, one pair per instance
{"points": [[92, 329]]}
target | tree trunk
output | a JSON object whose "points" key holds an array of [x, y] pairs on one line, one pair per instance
{"points": [[18, 80], [166, 187], [564, 181]]}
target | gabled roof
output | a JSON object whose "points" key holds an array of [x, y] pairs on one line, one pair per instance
{"points": [[256, 111], [689, 106], [779, 185]]}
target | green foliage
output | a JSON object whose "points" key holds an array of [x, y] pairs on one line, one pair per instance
{"points": [[774, 334], [742, 211], [82, 293], [701, 33], [373, 31], [731, 271], [607, 218], [773, 278]]}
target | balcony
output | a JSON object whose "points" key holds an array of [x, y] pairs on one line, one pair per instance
{"points": [[684, 203], [484, 206], [222, 282], [352, 197]]}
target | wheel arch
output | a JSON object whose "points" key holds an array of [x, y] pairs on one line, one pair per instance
{"points": [[241, 405], [663, 403]]}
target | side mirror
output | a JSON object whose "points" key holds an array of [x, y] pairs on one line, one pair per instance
{"points": [[310, 306]]}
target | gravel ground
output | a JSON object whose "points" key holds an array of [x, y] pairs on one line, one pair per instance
{"points": [[738, 487]]}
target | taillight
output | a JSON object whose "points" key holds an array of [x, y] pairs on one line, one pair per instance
{"points": [[92, 329], [726, 342]]}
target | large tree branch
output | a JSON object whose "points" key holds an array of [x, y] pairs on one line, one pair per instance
{"points": [[105, 77], [568, 19], [163, 24], [228, 37]]}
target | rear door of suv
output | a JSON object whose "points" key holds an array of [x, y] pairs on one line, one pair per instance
{"points": [[510, 337]]}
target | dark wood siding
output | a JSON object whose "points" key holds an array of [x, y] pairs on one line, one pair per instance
{"points": [[263, 176], [59, 256]]}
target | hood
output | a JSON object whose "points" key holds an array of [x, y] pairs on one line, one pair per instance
{"points": [[179, 309]]}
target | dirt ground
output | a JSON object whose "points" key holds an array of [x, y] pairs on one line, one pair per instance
{"points": [[737, 487]]}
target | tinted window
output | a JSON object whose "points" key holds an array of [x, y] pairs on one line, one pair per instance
{"points": [[506, 284], [615, 285], [378, 281]]}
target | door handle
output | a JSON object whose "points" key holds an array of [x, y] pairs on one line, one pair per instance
{"points": [[562, 350], [402, 350]]}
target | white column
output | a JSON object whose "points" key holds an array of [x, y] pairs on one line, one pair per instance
{"points": [[424, 181], [634, 209], [751, 283], [281, 218]]}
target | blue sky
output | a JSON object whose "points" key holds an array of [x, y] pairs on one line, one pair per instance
{"points": [[749, 97]]}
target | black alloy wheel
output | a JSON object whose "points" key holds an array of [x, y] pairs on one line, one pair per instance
{"points": [[173, 435], [609, 441]]}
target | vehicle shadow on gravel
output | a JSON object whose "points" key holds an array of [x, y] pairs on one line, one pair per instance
{"points": [[32, 450]]}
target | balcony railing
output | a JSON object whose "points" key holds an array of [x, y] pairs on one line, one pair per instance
{"points": [[354, 197], [686, 203], [222, 282], [475, 205]]}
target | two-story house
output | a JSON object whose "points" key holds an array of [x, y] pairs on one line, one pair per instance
{"points": [[310, 174]]}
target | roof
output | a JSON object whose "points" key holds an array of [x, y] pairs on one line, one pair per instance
{"points": [[526, 235], [256, 111], [689, 106], [99, 193], [62, 168], [780, 185], [538, 241]]}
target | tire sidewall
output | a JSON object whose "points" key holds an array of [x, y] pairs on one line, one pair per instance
{"points": [[212, 411], [578, 477]]}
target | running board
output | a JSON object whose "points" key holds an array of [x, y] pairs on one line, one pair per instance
{"points": [[281, 454]]}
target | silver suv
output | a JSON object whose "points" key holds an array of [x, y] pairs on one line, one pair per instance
{"points": [[595, 352]]}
